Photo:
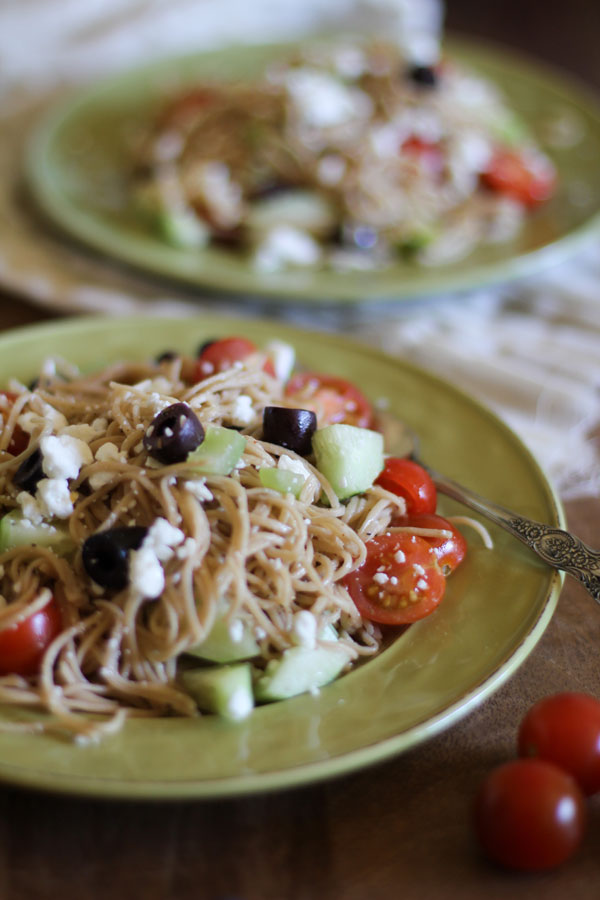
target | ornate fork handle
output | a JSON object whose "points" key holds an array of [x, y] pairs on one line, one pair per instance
{"points": [[556, 547]]}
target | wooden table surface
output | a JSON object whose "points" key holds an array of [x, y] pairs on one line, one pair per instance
{"points": [[400, 829]]}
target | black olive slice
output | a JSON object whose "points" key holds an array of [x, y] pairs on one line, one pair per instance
{"points": [[424, 76], [173, 433], [30, 472], [290, 428], [105, 555], [166, 356]]}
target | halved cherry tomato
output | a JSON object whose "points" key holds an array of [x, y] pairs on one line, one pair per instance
{"points": [[528, 181], [529, 815], [400, 581], [22, 646], [333, 399], [450, 550], [409, 480], [220, 355], [427, 152], [20, 439], [565, 729]]}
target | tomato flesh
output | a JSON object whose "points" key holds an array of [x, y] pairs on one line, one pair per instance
{"points": [[19, 439], [400, 581], [529, 182], [409, 480], [529, 815], [22, 645], [450, 549], [564, 729], [220, 355], [333, 399], [428, 154]]}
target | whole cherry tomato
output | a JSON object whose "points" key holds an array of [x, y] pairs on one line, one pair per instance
{"points": [[333, 399], [565, 729], [529, 815], [409, 480], [449, 549], [399, 582], [22, 645]]}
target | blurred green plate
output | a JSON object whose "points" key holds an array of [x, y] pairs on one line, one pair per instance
{"points": [[497, 605], [78, 162]]}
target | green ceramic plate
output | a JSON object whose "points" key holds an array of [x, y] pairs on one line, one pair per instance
{"points": [[78, 160], [497, 605]]}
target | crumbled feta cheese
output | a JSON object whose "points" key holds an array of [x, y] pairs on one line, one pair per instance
{"points": [[304, 629], [108, 452], [331, 169], [162, 537], [289, 464], [49, 421], [322, 101], [82, 432], [421, 584], [418, 570], [380, 578], [30, 507], [54, 497], [400, 556], [282, 356], [146, 575], [350, 61], [199, 489], [63, 455], [242, 412], [285, 245], [100, 425]]}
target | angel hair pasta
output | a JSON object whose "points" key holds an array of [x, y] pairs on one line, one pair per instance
{"points": [[196, 534]]}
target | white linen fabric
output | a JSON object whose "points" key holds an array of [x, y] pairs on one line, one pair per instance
{"points": [[530, 350]]}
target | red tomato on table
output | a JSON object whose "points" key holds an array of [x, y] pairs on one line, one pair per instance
{"points": [[333, 399], [565, 729], [529, 815], [400, 582], [22, 645], [409, 480]]}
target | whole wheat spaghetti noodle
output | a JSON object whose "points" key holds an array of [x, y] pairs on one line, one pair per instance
{"points": [[231, 548]]}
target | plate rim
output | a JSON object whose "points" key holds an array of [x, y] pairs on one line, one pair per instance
{"points": [[94, 236], [340, 764]]}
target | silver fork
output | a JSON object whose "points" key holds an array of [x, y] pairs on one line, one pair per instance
{"points": [[556, 547]]}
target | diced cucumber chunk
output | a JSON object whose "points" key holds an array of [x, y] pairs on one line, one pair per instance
{"points": [[416, 240], [182, 229], [219, 645], [225, 690], [305, 210], [282, 480], [17, 531], [350, 458], [299, 670], [219, 452], [509, 128]]}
